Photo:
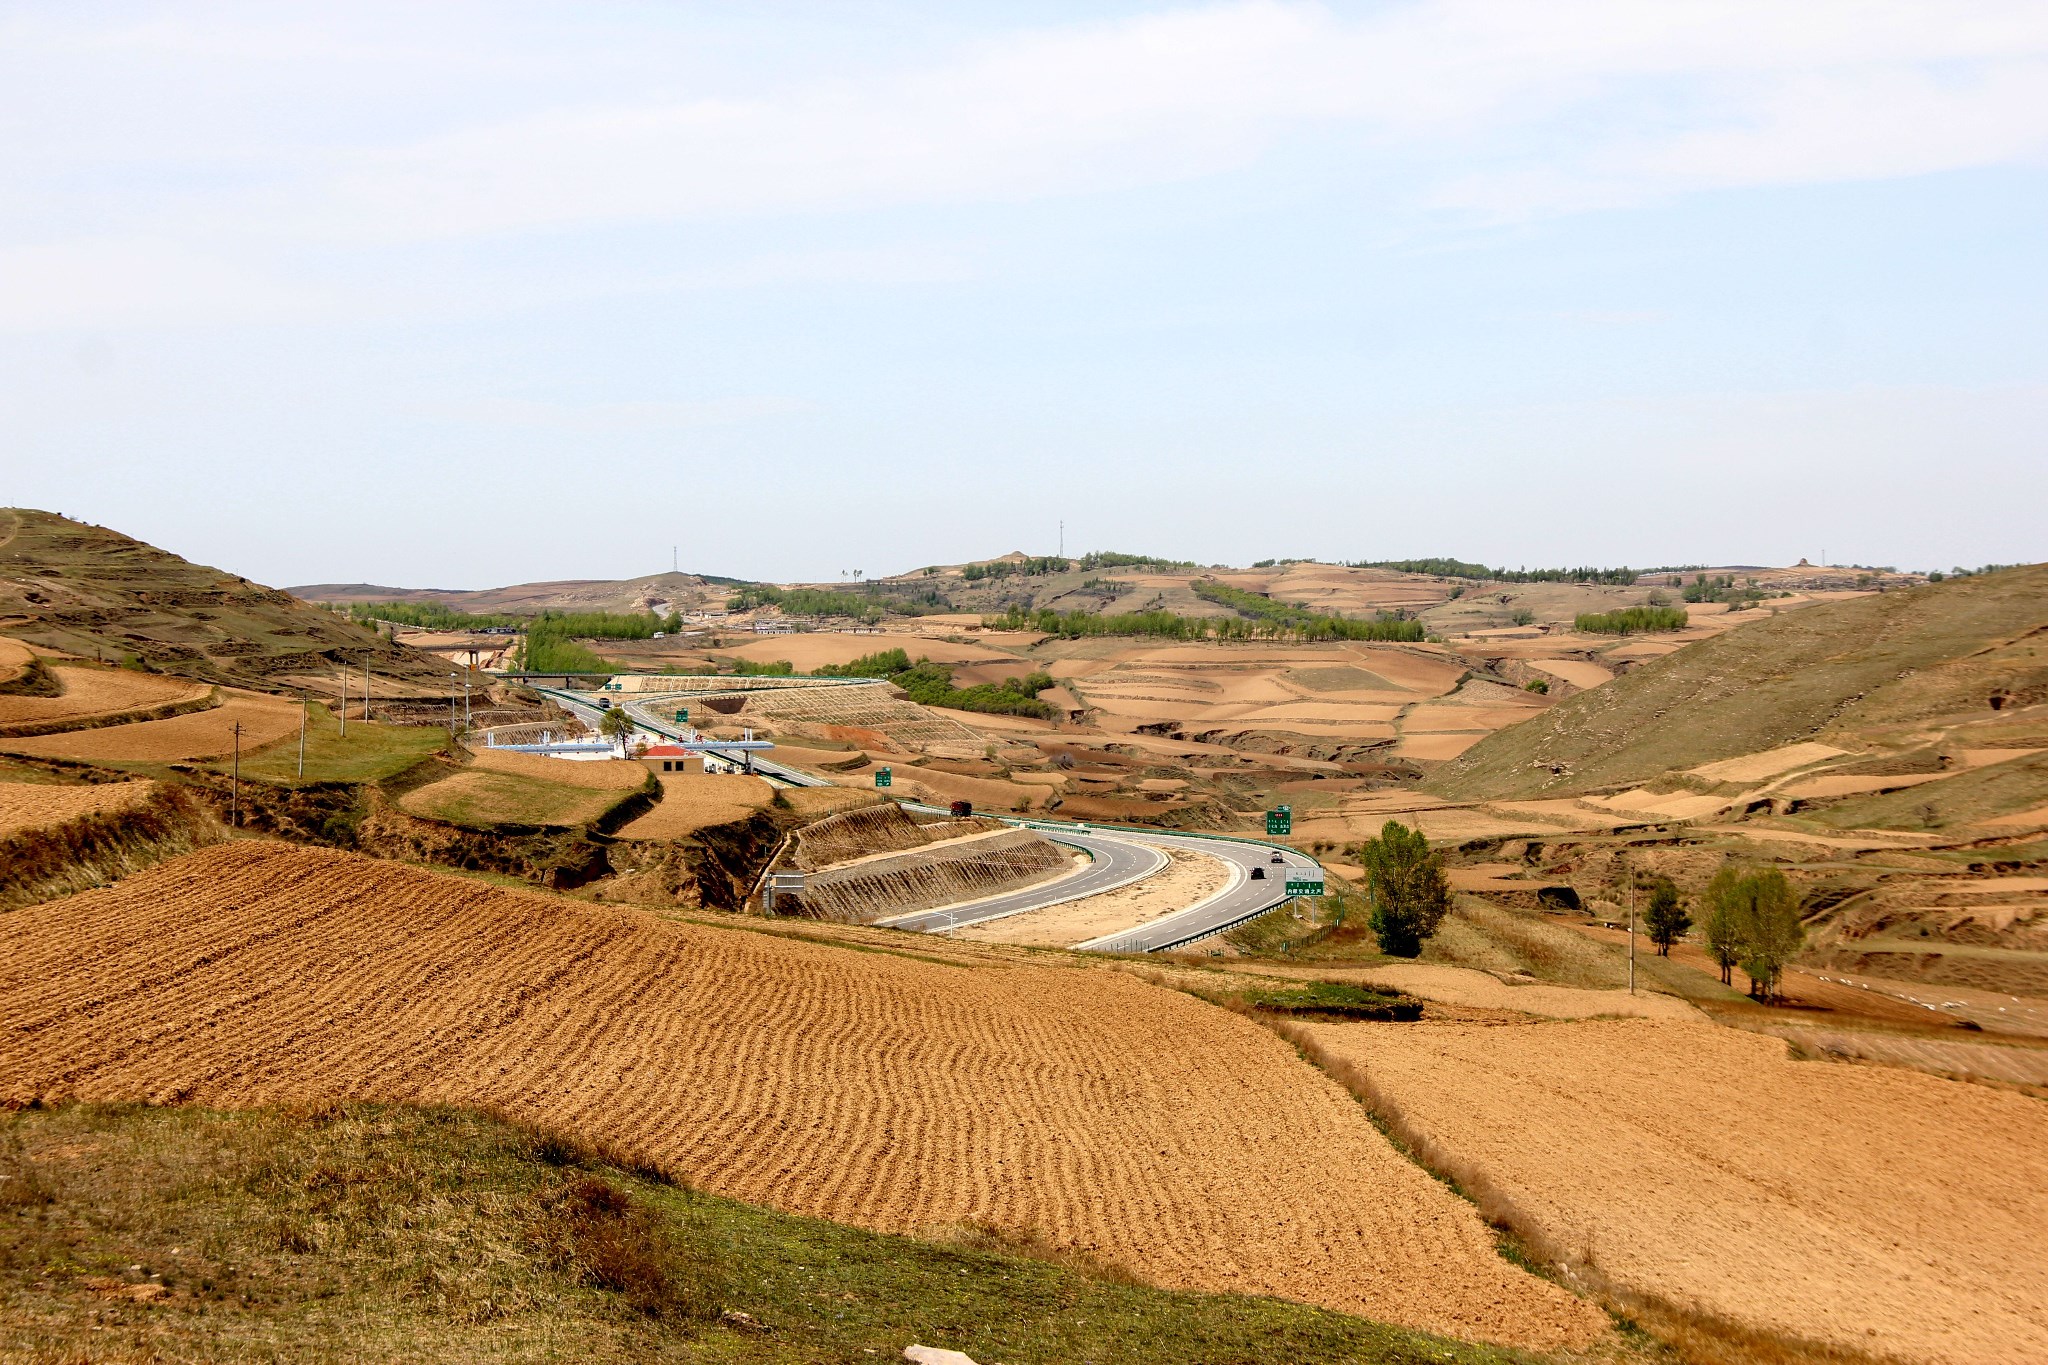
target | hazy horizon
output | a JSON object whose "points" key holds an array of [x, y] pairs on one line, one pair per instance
{"points": [[476, 295]]}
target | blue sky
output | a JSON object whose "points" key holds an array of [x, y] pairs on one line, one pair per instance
{"points": [[457, 295]]}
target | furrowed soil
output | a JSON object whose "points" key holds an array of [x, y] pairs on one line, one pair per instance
{"points": [[202, 734], [884, 1089], [1866, 1207], [90, 693], [26, 805]]}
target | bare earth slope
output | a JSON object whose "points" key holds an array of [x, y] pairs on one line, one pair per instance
{"points": [[86, 589], [1883, 659], [1871, 1208], [886, 1090]]}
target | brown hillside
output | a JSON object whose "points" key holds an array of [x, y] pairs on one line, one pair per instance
{"points": [[1840, 672], [94, 592]]}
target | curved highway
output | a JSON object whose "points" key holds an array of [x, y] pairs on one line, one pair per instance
{"points": [[1112, 862], [1118, 858]]}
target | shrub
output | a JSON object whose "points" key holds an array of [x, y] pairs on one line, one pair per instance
{"points": [[1337, 1001], [1666, 920]]}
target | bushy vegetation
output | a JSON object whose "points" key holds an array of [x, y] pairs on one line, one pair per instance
{"points": [[811, 602], [885, 664], [765, 668], [1753, 922], [547, 648], [431, 616], [1631, 620], [931, 684], [1075, 625], [1027, 568], [1722, 588], [1459, 568], [1337, 1001], [1284, 619], [1410, 893], [1113, 559]]}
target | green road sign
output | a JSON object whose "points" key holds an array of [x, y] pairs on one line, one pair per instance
{"points": [[1299, 883], [682, 715], [1280, 820], [883, 777]]}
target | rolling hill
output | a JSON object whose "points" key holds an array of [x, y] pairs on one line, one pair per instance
{"points": [[1886, 673], [94, 592]]}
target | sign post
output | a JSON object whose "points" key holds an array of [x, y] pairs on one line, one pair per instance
{"points": [[682, 715], [1304, 881], [884, 777], [1280, 820]]}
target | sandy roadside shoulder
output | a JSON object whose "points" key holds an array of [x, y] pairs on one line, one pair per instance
{"points": [[1187, 877]]}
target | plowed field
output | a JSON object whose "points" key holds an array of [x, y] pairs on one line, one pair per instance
{"points": [[90, 692], [14, 656], [875, 1088], [202, 734], [25, 805], [691, 801], [1878, 1209]]}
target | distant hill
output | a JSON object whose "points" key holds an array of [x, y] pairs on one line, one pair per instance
{"points": [[94, 592], [682, 591], [1886, 671]]}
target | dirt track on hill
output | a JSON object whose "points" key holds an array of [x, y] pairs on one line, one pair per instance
{"points": [[1867, 1207], [877, 1088]]}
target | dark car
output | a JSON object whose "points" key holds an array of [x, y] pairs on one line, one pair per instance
{"points": [[1258, 874]]}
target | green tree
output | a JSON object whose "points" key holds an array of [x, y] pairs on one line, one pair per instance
{"points": [[1723, 926], [1773, 934], [1753, 922], [1665, 920], [1410, 894], [616, 725]]}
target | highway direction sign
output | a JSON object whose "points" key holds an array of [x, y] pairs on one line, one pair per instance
{"points": [[1304, 881], [883, 777], [1280, 820]]}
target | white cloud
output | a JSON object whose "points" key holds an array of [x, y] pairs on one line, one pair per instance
{"points": [[617, 418]]}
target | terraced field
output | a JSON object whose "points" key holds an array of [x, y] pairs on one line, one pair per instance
{"points": [[91, 694], [1866, 1207], [201, 734], [26, 805], [691, 801], [880, 1089]]}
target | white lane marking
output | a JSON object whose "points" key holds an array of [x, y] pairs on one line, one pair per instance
{"points": [[1159, 862], [1238, 878]]}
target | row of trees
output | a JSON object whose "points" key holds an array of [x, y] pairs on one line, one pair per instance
{"points": [[1304, 623], [1631, 620], [1458, 568], [1005, 568]]}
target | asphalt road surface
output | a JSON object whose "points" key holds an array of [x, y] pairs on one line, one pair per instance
{"points": [[1114, 861]]}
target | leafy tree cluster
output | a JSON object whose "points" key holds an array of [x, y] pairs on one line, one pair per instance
{"points": [[1752, 921], [1458, 568], [606, 625], [429, 616], [1631, 620], [1027, 568], [547, 648], [1721, 588], [885, 664], [1960, 572], [811, 602], [1410, 893], [931, 684], [767, 668], [1283, 618], [1075, 625], [1114, 559]]}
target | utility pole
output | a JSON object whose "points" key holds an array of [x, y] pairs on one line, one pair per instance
{"points": [[305, 709], [366, 689], [235, 782], [343, 708], [1630, 893]]}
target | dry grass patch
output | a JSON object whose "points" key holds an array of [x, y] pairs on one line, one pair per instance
{"points": [[597, 774], [481, 799], [692, 801]]}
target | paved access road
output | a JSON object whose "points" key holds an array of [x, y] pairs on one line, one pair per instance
{"points": [[1239, 900]]}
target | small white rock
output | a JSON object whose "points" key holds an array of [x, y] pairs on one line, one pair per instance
{"points": [[936, 1355]]}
